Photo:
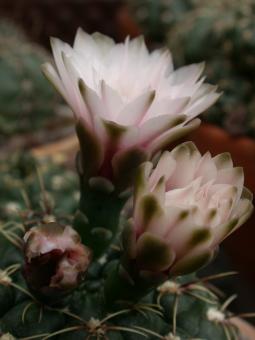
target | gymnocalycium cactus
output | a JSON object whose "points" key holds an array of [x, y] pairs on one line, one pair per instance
{"points": [[229, 26], [123, 267], [156, 16], [27, 102]]}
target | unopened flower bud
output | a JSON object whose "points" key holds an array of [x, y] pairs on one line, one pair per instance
{"points": [[55, 259]]}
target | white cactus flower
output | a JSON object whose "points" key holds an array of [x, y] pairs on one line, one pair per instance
{"points": [[184, 208], [126, 98]]}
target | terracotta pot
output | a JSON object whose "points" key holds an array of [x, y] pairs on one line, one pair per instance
{"points": [[247, 331], [38, 139], [126, 24], [240, 246], [62, 151], [68, 146]]}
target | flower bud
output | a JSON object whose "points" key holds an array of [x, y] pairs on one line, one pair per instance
{"points": [[55, 259], [183, 209]]}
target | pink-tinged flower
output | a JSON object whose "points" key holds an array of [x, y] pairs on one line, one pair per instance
{"points": [[183, 209], [55, 258], [128, 103]]}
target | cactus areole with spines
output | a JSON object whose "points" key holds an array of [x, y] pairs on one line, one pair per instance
{"points": [[123, 266]]}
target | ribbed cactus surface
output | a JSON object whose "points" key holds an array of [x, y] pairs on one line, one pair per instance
{"points": [[156, 16], [180, 308], [222, 33], [27, 102]]}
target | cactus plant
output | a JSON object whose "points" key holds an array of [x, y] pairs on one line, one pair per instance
{"points": [[123, 266], [181, 308], [155, 17], [229, 26], [19, 173], [26, 100], [187, 26]]}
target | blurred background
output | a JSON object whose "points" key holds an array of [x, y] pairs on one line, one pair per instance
{"points": [[35, 124]]}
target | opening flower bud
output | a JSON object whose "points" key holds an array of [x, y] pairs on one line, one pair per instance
{"points": [[183, 209], [55, 259]]}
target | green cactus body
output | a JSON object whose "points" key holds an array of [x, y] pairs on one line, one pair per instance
{"points": [[181, 308], [156, 16], [27, 102], [188, 26], [229, 27]]}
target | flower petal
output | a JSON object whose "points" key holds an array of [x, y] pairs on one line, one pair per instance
{"points": [[104, 43], [165, 167], [206, 168], [133, 112], [186, 157], [84, 43], [154, 127], [153, 253], [167, 106], [125, 163], [202, 104], [223, 161], [111, 101], [191, 262], [51, 74], [187, 74], [171, 135]]}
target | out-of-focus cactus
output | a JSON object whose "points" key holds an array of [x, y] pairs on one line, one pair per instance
{"points": [[27, 102], [223, 34], [19, 174], [156, 16]]}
